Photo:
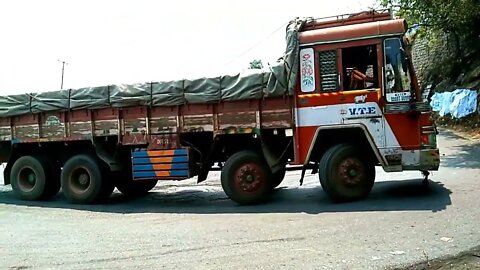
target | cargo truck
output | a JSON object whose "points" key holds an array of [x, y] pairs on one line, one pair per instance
{"points": [[343, 99]]}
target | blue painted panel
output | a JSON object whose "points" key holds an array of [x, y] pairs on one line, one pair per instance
{"points": [[140, 154], [141, 161], [144, 174], [147, 167], [153, 174], [181, 152], [182, 173], [180, 166], [180, 159], [174, 152]]}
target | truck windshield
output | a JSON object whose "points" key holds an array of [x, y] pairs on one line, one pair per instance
{"points": [[397, 76]]}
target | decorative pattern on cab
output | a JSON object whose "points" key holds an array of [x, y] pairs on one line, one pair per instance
{"points": [[307, 70]]}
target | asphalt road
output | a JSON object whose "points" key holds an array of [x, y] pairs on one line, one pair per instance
{"points": [[188, 226]]}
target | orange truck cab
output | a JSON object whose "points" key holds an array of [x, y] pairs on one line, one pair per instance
{"points": [[356, 75]]}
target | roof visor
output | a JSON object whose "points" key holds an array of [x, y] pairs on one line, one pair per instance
{"points": [[353, 32]]}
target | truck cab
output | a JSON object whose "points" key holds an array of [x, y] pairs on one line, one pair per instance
{"points": [[357, 88]]}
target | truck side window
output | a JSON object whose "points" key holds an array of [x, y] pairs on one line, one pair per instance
{"points": [[360, 67], [328, 71], [397, 76]]}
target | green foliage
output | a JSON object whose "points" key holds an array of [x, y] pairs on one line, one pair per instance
{"points": [[455, 21], [459, 18], [441, 14], [256, 64]]}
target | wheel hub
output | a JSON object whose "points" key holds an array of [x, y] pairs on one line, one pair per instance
{"points": [[79, 180], [83, 179], [31, 178], [249, 178], [27, 179], [351, 171]]}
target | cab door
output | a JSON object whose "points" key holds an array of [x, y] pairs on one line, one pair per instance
{"points": [[327, 97], [402, 112]]}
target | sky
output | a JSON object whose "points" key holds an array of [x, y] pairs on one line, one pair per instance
{"points": [[115, 41]]}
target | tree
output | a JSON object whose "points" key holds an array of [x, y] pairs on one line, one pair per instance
{"points": [[256, 64], [458, 19]]}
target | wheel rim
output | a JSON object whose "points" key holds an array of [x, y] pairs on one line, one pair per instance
{"points": [[27, 179], [249, 178], [351, 172], [79, 180]]}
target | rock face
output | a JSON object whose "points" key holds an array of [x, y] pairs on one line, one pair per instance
{"points": [[426, 55]]}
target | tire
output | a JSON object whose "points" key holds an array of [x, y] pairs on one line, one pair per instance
{"points": [[31, 178], [344, 174], [246, 178], [130, 188], [83, 180], [277, 178]]}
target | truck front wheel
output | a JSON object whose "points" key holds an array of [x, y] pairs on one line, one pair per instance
{"points": [[83, 180], [246, 178], [344, 174], [31, 178]]}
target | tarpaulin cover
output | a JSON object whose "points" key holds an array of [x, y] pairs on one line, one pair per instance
{"points": [[243, 86], [14, 104], [459, 103], [127, 95], [277, 80], [49, 101], [167, 93], [202, 90], [89, 98]]}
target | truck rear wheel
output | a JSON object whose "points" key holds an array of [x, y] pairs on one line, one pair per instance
{"points": [[246, 178], [83, 180], [31, 178], [344, 174]]}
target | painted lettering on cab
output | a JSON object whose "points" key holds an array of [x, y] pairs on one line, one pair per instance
{"points": [[362, 110]]}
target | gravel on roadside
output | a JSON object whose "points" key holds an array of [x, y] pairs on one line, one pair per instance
{"points": [[467, 260]]}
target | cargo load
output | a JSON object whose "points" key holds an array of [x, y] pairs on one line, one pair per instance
{"points": [[274, 81]]}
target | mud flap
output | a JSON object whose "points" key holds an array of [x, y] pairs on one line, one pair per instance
{"points": [[161, 164], [272, 160]]}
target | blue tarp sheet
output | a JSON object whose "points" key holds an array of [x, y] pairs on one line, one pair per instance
{"points": [[458, 104]]}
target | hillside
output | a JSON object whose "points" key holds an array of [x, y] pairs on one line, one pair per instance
{"points": [[440, 70]]}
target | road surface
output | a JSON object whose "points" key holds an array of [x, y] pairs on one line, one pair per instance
{"points": [[182, 225]]}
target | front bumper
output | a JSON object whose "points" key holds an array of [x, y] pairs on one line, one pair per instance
{"points": [[428, 160]]}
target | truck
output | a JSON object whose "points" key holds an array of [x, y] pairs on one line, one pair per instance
{"points": [[342, 100]]}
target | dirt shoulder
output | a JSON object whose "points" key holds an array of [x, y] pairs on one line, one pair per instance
{"points": [[468, 128], [468, 133], [466, 260]]}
